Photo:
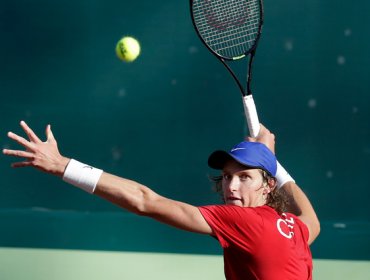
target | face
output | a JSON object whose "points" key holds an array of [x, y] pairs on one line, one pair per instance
{"points": [[243, 187]]}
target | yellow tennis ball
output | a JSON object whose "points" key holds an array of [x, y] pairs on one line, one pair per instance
{"points": [[128, 49]]}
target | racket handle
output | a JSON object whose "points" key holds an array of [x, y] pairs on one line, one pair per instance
{"points": [[251, 115], [282, 175]]}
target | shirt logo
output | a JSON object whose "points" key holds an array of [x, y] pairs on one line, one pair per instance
{"points": [[285, 226]]}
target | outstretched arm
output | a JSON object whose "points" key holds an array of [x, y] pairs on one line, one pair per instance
{"points": [[125, 193]]}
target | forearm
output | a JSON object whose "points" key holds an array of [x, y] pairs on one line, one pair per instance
{"points": [[299, 204], [124, 193]]}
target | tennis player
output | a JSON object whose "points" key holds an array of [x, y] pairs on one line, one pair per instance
{"points": [[259, 239]]}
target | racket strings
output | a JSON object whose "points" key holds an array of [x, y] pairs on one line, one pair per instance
{"points": [[228, 27]]}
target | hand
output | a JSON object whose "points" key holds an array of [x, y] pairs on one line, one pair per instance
{"points": [[265, 137], [44, 156]]}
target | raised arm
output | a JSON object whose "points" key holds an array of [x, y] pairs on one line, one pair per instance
{"points": [[125, 193], [300, 206], [298, 203]]}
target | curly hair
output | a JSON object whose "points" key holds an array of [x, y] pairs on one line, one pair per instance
{"points": [[276, 199]]}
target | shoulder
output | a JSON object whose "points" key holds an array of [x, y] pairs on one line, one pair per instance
{"points": [[230, 223], [230, 209], [234, 214]]}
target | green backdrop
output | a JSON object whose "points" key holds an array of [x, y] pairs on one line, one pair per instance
{"points": [[156, 120]]}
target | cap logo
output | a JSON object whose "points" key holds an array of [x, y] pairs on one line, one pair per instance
{"points": [[236, 149]]}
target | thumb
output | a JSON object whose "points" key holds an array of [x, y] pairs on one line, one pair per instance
{"points": [[250, 139], [49, 133]]}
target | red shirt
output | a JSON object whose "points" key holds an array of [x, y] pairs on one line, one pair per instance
{"points": [[259, 243]]}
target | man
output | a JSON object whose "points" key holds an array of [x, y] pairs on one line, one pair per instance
{"points": [[259, 240]]}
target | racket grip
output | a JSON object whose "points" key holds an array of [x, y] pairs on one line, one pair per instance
{"points": [[251, 115], [254, 128]]}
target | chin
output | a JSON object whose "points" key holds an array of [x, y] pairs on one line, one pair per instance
{"points": [[234, 202]]}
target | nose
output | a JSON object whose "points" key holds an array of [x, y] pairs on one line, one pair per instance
{"points": [[233, 184]]}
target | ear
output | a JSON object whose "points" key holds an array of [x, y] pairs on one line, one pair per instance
{"points": [[266, 188], [272, 181], [272, 184]]}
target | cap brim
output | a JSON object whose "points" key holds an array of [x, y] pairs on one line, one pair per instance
{"points": [[218, 159]]}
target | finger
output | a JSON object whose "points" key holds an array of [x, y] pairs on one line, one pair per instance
{"points": [[18, 153], [21, 164], [31, 135], [263, 129], [250, 139], [20, 140]]}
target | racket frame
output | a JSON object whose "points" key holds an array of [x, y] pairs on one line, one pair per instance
{"points": [[246, 92]]}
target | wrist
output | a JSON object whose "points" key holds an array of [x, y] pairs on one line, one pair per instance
{"points": [[82, 175], [61, 166], [282, 176]]}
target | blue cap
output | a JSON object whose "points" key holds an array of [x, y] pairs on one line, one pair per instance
{"points": [[250, 154]]}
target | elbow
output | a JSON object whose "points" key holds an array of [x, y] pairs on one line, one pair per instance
{"points": [[317, 228], [314, 231]]}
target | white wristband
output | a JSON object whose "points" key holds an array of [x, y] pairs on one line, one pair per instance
{"points": [[282, 176], [82, 175]]}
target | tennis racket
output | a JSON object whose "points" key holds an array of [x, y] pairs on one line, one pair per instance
{"points": [[230, 29]]}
